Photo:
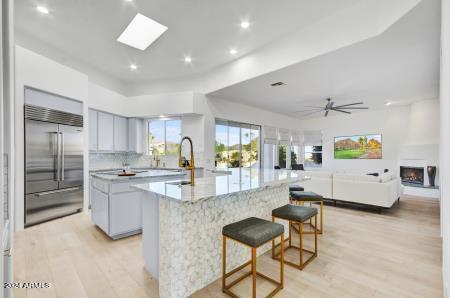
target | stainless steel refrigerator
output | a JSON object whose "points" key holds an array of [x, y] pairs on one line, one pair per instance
{"points": [[53, 164]]}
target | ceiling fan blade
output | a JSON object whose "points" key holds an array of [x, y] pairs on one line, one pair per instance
{"points": [[351, 108], [311, 113], [316, 109], [313, 107], [342, 111], [350, 104], [326, 113]]}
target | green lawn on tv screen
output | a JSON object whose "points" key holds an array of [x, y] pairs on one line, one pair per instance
{"points": [[348, 153]]}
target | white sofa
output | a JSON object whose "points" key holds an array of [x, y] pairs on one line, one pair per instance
{"points": [[321, 182], [380, 191]]}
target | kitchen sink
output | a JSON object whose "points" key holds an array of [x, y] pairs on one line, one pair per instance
{"points": [[179, 183]]}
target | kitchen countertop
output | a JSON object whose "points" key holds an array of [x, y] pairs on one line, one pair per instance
{"points": [[140, 169], [240, 180], [112, 176]]}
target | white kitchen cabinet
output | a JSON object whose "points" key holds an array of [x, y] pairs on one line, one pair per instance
{"points": [[126, 209], [93, 130], [105, 132], [136, 135], [100, 203], [120, 134]]}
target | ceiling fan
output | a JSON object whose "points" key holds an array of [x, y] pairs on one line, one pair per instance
{"points": [[331, 107]]}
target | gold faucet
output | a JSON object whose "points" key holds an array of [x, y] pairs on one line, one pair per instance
{"points": [[183, 163]]}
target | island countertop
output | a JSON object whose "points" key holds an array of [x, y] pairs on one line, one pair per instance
{"points": [[140, 174], [240, 180]]}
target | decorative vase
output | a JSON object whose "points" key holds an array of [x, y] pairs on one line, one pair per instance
{"points": [[431, 170]]}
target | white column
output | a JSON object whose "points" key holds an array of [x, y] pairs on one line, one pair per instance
{"points": [[445, 143]]}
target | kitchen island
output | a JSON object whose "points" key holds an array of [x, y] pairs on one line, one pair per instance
{"points": [[182, 224]]}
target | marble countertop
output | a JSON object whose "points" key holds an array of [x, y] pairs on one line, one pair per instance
{"points": [[139, 168], [141, 174], [240, 180]]}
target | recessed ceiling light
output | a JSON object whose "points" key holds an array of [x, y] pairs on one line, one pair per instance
{"points": [[133, 66], [388, 103], [42, 9], [187, 59], [233, 52], [141, 32], [162, 116], [245, 24]]}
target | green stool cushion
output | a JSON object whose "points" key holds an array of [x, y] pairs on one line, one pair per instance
{"points": [[253, 231], [295, 188], [295, 213], [305, 196]]}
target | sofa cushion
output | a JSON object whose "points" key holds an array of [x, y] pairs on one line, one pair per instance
{"points": [[318, 174], [385, 177], [365, 178]]}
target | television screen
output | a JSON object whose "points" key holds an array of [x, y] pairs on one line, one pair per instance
{"points": [[358, 147]]}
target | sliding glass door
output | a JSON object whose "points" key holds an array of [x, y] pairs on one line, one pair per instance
{"points": [[237, 145]]}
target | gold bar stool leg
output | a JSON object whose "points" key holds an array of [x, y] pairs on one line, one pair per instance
{"points": [[321, 217], [290, 233], [254, 271], [300, 237], [224, 261], [315, 235], [282, 262]]}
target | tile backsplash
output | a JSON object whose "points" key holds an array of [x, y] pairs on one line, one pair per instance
{"points": [[103, 161]]}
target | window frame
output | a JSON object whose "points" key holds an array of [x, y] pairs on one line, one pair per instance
{"points": [[164, 120], [310, 152], [240, 125]]}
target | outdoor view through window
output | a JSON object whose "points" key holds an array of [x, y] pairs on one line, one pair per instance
{"points": [[237, 145], [164, 136]]}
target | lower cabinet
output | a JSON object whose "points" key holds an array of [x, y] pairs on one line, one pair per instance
{"points": [[117, 214], [116, 206], [126, 212]]}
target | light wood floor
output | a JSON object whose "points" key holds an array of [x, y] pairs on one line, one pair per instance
{"points": [[361, 254]]}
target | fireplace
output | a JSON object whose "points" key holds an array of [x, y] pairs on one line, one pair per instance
{"points": [[412, 175]]}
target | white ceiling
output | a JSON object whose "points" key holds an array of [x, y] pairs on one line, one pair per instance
{"points": [[401, 65], [87, 30]]}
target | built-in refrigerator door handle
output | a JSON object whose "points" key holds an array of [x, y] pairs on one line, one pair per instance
{"points": [[58, 156], [62, 156]]}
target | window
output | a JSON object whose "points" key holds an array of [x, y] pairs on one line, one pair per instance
{"points": [[313, 156], [164, 136], [282, 156], [294, 155], [237, 145]]}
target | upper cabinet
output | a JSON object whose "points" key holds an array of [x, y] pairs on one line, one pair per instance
{"points": [[93, 130], [136, 135], [112, 133], [105, 132], [120, 134]]}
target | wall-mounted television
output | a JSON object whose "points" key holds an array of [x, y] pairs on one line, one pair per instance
{"points": [[358, 147]]}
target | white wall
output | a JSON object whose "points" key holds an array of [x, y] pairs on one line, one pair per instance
{"points": [[445, 144], [415, 126], [42, 73]]}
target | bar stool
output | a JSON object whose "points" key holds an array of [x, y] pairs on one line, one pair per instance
{"points": [[251, 232], [300, 197], [298, 215], [292, 188]]}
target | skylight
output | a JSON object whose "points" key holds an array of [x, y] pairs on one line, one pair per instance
{"points": [[141, 32]]}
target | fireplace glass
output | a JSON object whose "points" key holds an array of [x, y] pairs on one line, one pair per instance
{"points": [[412, 175]]}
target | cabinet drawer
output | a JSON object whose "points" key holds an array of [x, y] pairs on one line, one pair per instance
{"points": [[126, 187], [101, 185]]}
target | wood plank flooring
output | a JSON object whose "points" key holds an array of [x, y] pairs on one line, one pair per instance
{"points": [[361, 254]]}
